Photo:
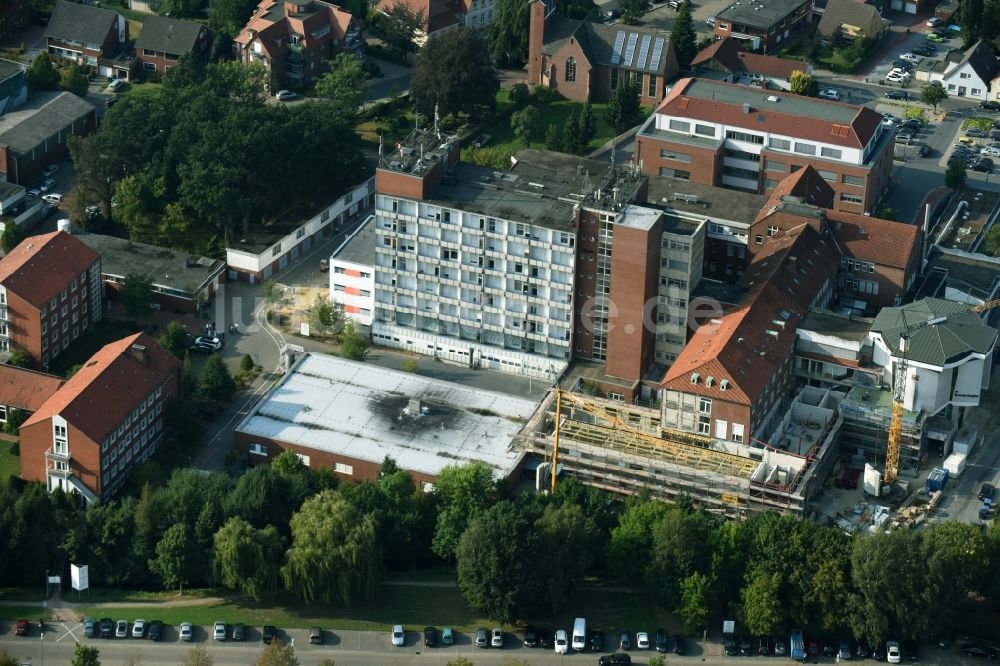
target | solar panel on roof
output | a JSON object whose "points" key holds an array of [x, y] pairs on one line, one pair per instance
{"points": [[643, 52], [654, 62], [630, 49], [616, 53]]}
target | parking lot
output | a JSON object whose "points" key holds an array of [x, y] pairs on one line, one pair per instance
{"points": [[935, 53]]}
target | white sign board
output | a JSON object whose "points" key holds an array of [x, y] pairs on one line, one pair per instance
{"points": [[80, 576], [55, 580], [304, 329], [728, 627]]}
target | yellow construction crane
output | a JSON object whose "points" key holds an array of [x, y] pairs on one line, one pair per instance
{"points": [[899, 388], [681, 445]]}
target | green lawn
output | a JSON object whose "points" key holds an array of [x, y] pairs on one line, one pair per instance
{"points": [[10, 464], [27, 612], [985, 124], [88, 343]]}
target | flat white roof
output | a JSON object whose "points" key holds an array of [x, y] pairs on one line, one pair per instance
{"points": [[357, 409]]}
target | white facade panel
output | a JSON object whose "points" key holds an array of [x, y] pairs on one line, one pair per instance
{"points": [[353, 287]]}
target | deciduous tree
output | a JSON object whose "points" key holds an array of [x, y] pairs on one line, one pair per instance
{"points": [[762, 606], [85, 655], [334, 555], [175, 339], [566, 537], [277, 654], [632, 10], [694, 602], [216, 383], [507, 38], [137, 294], [955, 176], [933, 95], [353, 344], [399, 26], [454, 74], [42, 75], [176, 560], [526, 124], [463, 492], [345, 86], [802, 84], [74, 79], [248, 559], [21, 358], [198, 656], [12, 235]]}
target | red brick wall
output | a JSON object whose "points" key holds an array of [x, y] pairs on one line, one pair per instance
{"points": [[536, 36], [635, 270], [404, 185], [703, 168], [85, 455], [24, 326], [579, 89], [585, 283]]}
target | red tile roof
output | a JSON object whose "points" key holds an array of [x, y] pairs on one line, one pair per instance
{"points": [[272, 21], [873, 239], [747, 345], [109, 386], [42, 266], [26, 389], [724, 51], [859, 126], [778, 68], [807, 184]]}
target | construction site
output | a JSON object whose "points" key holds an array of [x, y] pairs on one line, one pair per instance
{"points": [[624, 449]]}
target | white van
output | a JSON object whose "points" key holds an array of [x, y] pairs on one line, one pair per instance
{"points": [[580, 634]]}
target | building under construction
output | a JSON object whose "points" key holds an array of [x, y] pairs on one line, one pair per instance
{"points": [[624, 449]]}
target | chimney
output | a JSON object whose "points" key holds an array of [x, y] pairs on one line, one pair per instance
{"points": [[536, 37], [138, 352]]}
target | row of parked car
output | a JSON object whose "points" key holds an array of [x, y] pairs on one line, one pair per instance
{"points": [[153, 630]]}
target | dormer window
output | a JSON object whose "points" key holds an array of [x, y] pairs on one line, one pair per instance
{"points": [[294, 40], [694, 377]]}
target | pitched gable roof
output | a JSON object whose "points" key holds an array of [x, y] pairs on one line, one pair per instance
{"points": [[628, 47], [982, 59], [272, 25], [85, 23], [42, 266], [725, 51], [873, 239], [746, 346], [851, 12], [109, 386], [836, 123], [26, 389], [805, 185], [168, 35], [778, 68]]}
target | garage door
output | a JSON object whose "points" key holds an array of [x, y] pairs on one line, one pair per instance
{"points": [[911, 8]]}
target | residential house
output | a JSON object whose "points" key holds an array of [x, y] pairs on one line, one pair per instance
{"points": [[23, 392], [14, 17], [296, 39], [850, 20], [735, 376], [91, 36], [37, 134], [970, 73], [50, 294], [164, 40], [106, 419], [762, 25], [582, 59], [725, 60], [440, 16], [735, 136]]}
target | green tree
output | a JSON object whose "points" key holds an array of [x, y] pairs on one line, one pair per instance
{"points": [[573, 134], [334, 555], [175, 339], [176, 560], [270, 295], [991, 242], [248, 559], [12, 235], [519, 96], [198, 656], [933, 95], [353, 344], [679, 549], [9, 660], [277, 654], [20, 358], [184, 8], [588, 124], [630, 548], [399, 26], [525, 124], [137, 294], [955, 176], [15, 418], [507, 38], [454, 74], [566, 537], [623, 109], [85, 655], [216, 383], [802, 84], [229, 16], [497, 563], [694, 602], [554, 138], [246, 364], [683, 37], [42, 75], [189, 379], [970, 19], [323, 316], [632, 10], [460, 661], [345, 86], [74, 79], [762, 609], [463, 492]]}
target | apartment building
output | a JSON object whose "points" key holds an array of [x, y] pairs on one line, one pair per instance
{"points": [[50, 293], [106, 419], [722, 134], [762, 25], [352, 275]]}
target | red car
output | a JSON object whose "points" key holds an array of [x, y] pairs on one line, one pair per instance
{"points": [[21, 628]]}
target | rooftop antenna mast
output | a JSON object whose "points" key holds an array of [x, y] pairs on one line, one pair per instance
{"points": [[380, 141], [436, 118]]}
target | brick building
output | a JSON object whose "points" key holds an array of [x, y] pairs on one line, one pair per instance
{"points": [[762, 25], [734, 136], [50, 293], [582, 59], [725, 60], [296, 39], [24, 390], [91, 36], [103, 421], [164, 40], [37, 133]]}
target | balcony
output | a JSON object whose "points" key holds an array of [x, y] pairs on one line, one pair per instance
{"points": [[3, 313], [53, 456], [52, 469]]}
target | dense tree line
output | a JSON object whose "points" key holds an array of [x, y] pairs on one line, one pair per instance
{"points": [[204, 156], [285, 527]]}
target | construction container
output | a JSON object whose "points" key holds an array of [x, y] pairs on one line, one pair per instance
{"points": [[955, 464], [937, 479], [966, 440], [872, 480]]}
